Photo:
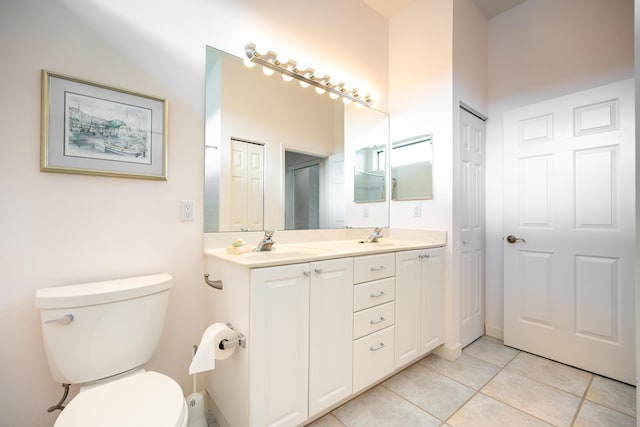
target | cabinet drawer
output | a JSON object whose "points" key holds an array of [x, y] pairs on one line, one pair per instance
{"points": [[372, 358], [374, 293], [373, 267], [373, 319]]}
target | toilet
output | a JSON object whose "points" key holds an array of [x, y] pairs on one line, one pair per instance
{"points": [[99, 335]]}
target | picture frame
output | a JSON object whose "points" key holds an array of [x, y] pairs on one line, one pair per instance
{"points": [[94, 129]]}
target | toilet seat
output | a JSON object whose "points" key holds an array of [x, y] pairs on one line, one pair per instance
{"points": [[139, 400]]}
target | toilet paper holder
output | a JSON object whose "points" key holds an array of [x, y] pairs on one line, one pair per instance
{"points": [[240, 340]]}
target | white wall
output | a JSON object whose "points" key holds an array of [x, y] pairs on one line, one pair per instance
{"points": [[438, 57], [58, 229], [421, 99], [540, 50]]}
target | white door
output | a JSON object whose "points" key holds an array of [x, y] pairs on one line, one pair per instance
{"points": [[279, 340], [330, 333], [247, 185], [408, 306], [432, 323], [569, 209], [471, 227]]}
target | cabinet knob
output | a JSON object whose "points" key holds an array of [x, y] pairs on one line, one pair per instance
{"points": [[375, 322], [306, 273], [424, 256], [318, 270]]}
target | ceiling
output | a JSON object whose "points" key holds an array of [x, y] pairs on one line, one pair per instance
{"points": [[489, 8]]}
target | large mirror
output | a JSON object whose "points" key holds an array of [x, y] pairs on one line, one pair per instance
{"points": [[411, 168], [279, 156]]}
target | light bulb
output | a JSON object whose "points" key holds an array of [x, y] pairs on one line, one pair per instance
{"points": [[333, 95], [247, 63], [287, 78], [346, 101], [267, 71], [358, 105], [320, 91], [304, 84]]}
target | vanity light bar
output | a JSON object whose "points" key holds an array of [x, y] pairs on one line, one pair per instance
{"points": [[308, 76]]}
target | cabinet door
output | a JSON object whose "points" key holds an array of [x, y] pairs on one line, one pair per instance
{"points": [[330, 346], [408, 307], [279, 345], [432, 299]]}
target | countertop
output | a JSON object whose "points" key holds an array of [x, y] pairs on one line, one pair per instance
{"points": [[315, 251]]}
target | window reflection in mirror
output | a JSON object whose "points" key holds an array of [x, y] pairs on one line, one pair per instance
{"points": [[411, 168], [369, 175]]}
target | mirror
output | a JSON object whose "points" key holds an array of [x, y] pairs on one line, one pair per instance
{"points": [[273, 148], [411, 168], [369, 175]]}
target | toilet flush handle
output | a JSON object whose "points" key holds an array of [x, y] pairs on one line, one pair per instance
{"points": [[64, 320]]}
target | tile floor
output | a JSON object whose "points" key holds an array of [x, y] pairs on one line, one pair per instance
{"points": [[489, 385]]}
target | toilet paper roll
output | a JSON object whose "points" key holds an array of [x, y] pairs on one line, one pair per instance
{"points": [[209, 350]]}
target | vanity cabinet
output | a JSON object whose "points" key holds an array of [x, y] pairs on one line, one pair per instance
{"points": [[301, 323], [419, 302], [319, 332]]}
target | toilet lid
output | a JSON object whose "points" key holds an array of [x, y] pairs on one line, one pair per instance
{"points": [[145, 399]]}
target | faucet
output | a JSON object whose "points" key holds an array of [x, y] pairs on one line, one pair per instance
{"points": [[373, 237], [267, 242]]}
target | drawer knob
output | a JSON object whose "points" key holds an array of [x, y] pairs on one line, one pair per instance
{"points": [[318, 270], [379, 347], [375, 322], [306, 273], [377, 268], [378, 295]]}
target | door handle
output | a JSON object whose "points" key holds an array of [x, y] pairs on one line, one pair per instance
{"points": [[512, 239]]}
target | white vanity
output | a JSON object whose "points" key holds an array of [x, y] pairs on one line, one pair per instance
{"points": [[323, 320]]}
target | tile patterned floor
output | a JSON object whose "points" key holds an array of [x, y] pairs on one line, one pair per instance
{"points": [[489, 385]]}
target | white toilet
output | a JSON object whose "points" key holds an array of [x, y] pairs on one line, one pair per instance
{"points": [[99, 335]]}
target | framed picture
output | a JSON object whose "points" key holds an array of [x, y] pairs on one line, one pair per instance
{"points": [[94, 129]]}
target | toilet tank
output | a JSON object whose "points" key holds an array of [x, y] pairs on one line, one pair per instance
{"points": [[116, 326]]}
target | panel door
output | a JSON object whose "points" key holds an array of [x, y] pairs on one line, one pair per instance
{"points": [[279, 345], [239, 185], [570, 213], [472, 230], [432, 299], [408, 306], [331, 325], [255, 186]]}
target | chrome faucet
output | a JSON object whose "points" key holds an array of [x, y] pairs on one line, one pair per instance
{"points": [[373, 237], [267, 242]]}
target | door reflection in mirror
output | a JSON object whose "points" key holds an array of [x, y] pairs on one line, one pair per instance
{"points": [[411, 168], [304, 182]]}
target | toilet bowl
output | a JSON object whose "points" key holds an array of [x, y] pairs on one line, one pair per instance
{"points": [[99, 335], [136, 400]]}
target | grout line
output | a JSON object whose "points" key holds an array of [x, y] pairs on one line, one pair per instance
{"points": [[584, 397]]}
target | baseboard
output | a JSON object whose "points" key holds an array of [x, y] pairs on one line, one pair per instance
{"points": [[213, 408], [449, 352], [494, 332]]}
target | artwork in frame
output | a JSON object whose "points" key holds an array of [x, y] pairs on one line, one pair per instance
{"points": [[91, 128]]}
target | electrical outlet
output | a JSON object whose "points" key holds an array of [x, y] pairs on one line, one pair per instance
{"points": [[365, 212], [417, 211], [187, 210]]}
